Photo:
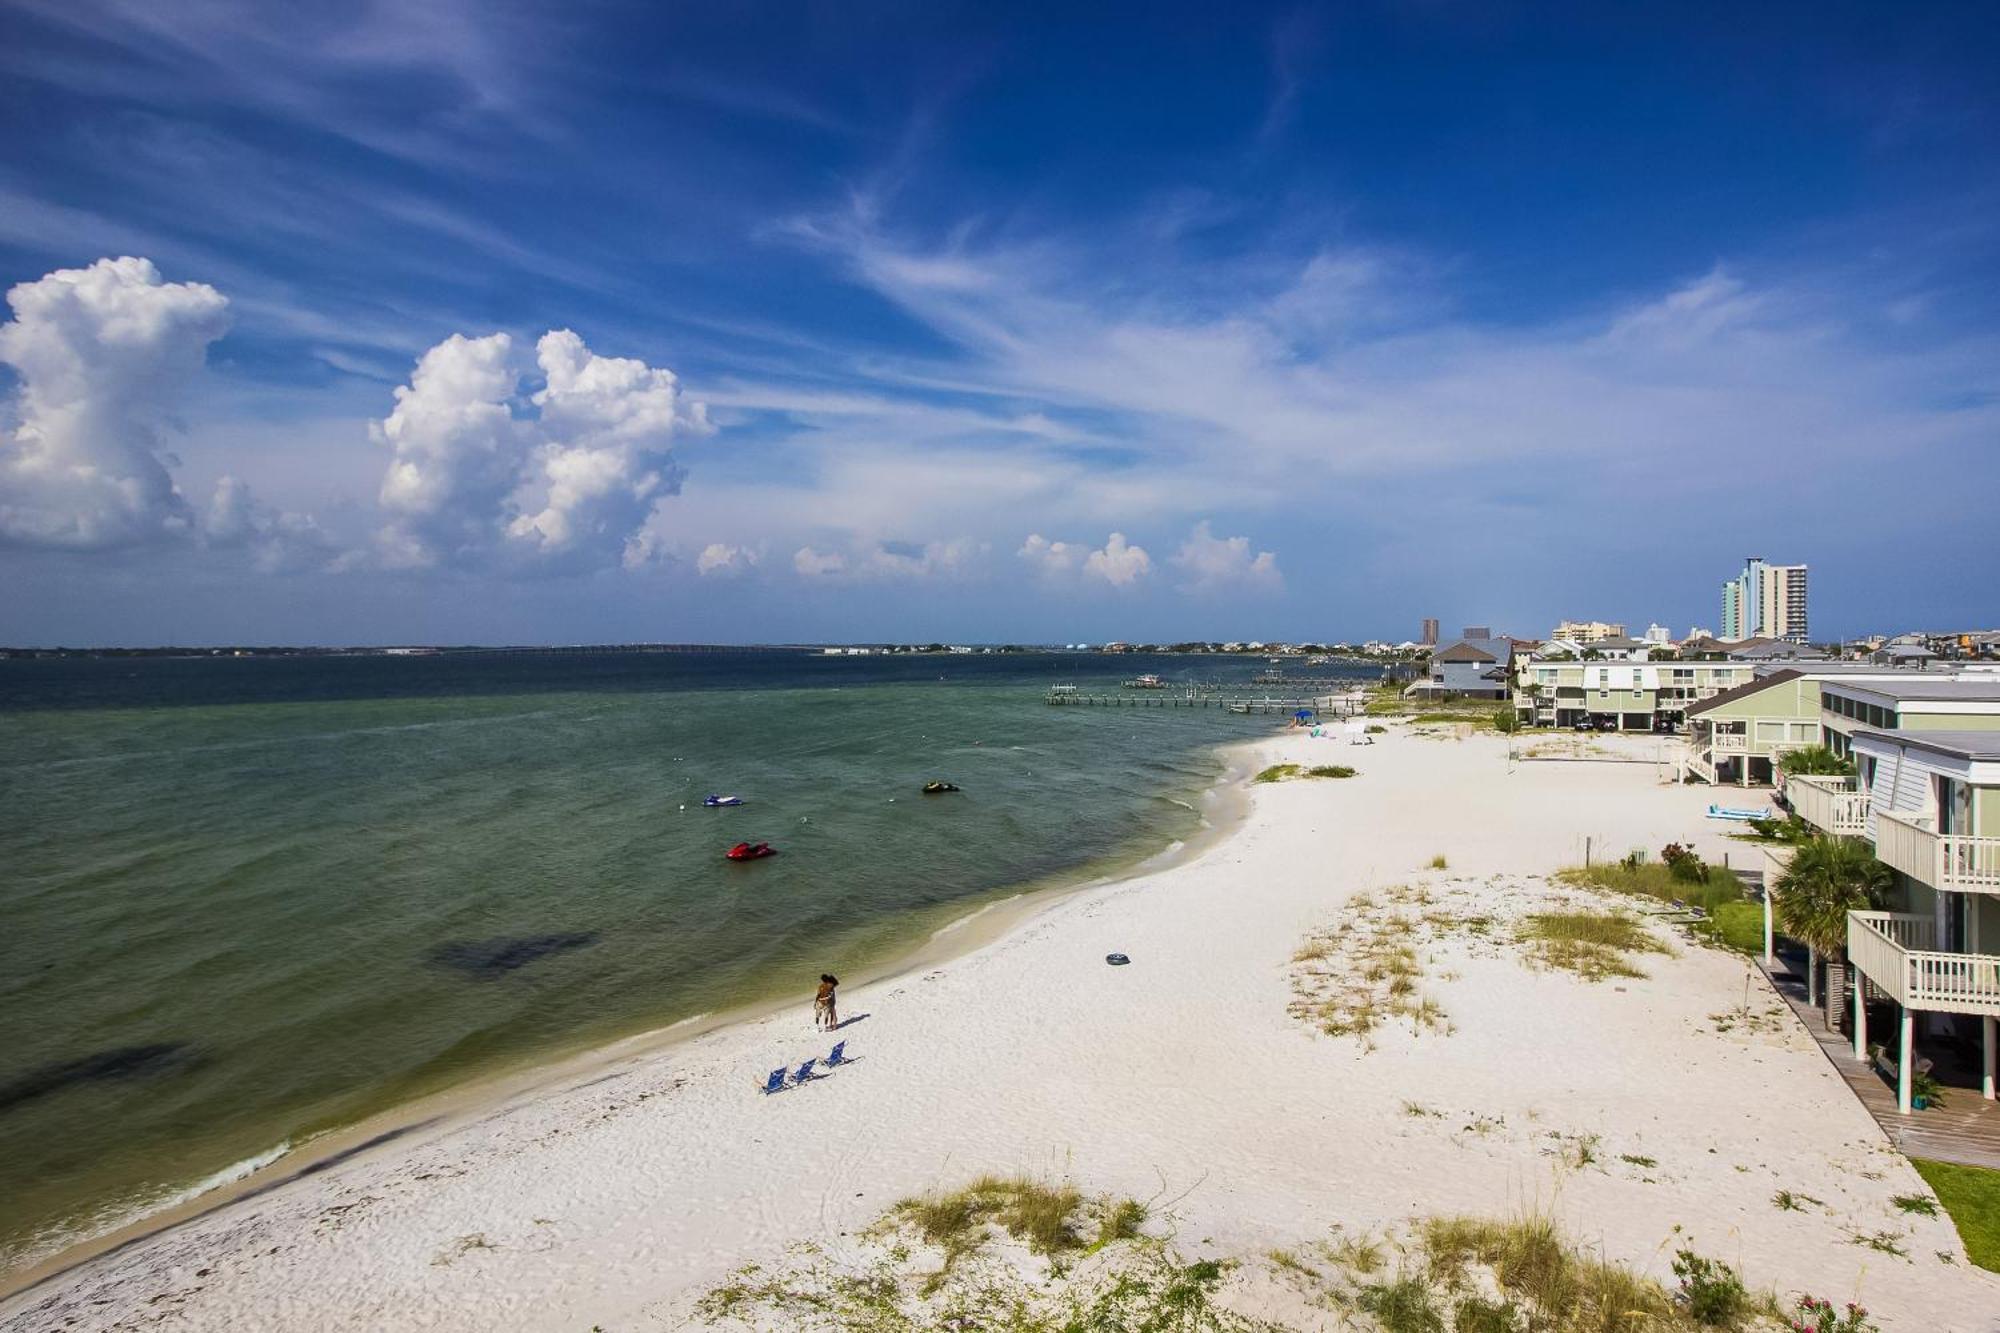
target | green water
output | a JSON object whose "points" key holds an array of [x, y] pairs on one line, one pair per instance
{"points": [[248, 902]]}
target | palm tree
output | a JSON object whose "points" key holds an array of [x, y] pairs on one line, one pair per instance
{"points": [[1828, 877], [1814, 759]]}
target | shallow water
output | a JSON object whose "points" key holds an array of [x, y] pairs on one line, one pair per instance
{"points": [[251, 900]]}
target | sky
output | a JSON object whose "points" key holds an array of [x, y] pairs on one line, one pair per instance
{"points": [[600, 321]]}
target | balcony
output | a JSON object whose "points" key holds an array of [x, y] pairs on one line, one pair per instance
{"points": [[1831, 804], [1954, 862], [1729, 742], [1893, 950]]}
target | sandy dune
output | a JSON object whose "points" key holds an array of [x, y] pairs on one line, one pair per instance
{"points": [[1179, 1077]]}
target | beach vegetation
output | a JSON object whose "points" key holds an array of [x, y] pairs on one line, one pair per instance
{"points": [[1790, 1202], [1362, 1254], [1644, 1163], [1827, 878], [1288, 772], [1970, 1196], [1710, 1291], [1814, 760], [1789, 829], [1439, 862], [1505, 720], [1814, 1315], [1886, 1242], [1653, 879], [1594, 945], [1924, 1205]]}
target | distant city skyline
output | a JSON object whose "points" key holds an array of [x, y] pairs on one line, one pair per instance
{"points": [[510, 324]]}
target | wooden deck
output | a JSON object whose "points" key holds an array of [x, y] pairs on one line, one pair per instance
{"points": [[1965, 1130]]}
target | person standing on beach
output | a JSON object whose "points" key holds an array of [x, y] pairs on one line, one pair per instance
{"points": [[823, 1008]]}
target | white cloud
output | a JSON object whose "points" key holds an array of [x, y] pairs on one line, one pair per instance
{"points": [[571, 487], [887, 560], [814, 564], [1215, 563], [1051, 557], [278, 541], [103, 354], [1117, 562], [722, 558]]}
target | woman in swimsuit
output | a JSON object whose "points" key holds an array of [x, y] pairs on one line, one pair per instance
{"points": [[823, 1010]]}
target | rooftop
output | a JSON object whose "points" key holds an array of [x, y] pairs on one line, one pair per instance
{"points": [[1922, 688], [1980, 746]]}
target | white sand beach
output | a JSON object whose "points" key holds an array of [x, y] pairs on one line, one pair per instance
{"points": [[1180, 1078]]}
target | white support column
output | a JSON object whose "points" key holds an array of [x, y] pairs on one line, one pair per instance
{"points": [[1812, 977], [1860, 1014], [1903, 1064], [1991, 1041], [1769, 956]]}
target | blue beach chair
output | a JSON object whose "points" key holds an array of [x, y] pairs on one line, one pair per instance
{"points": [[805, 1072], [839, 1056], [775, 1083]]}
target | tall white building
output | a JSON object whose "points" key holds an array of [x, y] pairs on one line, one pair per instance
{"points": [[1765, 601]]}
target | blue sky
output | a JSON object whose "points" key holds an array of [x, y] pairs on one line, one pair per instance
{"points": [[989, 322]]}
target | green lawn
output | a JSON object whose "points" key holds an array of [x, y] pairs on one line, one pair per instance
{"points": [[1737, 925], [1972, 1196]]}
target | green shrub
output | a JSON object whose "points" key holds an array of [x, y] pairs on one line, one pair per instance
{"points": [[1710, 1292]]}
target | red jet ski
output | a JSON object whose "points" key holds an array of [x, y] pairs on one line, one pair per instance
{"points": [[750, 851]]}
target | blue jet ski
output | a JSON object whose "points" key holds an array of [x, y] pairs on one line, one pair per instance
{"points": [[714, 802]]}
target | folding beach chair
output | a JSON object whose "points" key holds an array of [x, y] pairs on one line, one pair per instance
{"points": [[805, 1072], [839, 1055], [776, 1082]]}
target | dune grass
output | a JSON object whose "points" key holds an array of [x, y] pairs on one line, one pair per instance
{"points": [[1482, 1275], [1594, 945], [1653, 879], [1971, 1195], [1287, 772]]}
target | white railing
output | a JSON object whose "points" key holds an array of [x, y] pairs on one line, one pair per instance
{"points": [[1951, 861], [1830, 803], [1729, 742], [1892, 950], [1881, 957], [1698, 763]]}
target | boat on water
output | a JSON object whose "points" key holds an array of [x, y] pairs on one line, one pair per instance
{"points": [[750, 851], [1145, 682], [714, 802], [939, 788], [1239, 708], [1268, 678]]}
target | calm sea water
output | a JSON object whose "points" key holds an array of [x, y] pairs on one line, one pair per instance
{"points": [[246, 901]]}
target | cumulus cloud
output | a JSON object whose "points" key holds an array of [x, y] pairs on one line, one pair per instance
{"points": [[105, 354], [1213, 563], [722, 558], [1117, 562], [102, 353], [568, 486], [887, 560], [812, 564], [278, 541]]}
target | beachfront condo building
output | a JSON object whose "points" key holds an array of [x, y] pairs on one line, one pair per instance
{"points": [[1740, 736], [1618, 694], [1928, 799], [1765, 601]]}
